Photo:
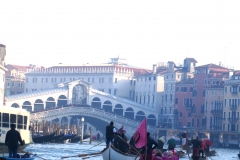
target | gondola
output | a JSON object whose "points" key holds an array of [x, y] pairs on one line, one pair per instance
{"points": [[30, 158], [111, 153], [64, 138], [78, 138], [55, 138], [43, 139]]}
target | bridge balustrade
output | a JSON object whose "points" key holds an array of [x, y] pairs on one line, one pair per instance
{"points": [[50, 114]]}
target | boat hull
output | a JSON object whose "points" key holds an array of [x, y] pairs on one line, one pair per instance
{"points": [[112, 154]]}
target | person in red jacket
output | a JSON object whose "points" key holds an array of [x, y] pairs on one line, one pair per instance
{"points": [[208, 143], [202, 148]]}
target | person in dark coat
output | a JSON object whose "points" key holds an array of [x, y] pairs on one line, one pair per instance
{"points": [[120, 142], [171, 143], [110, 132], [11, 140], [196, 146], [151, 145]]}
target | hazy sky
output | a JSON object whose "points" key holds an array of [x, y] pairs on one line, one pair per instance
{"points": [[48, 32]]}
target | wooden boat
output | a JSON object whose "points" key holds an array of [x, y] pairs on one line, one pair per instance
{"points": [[55, 138], [6, 158], [43, 139], [198, 158], [111, 153], [22, 125]]}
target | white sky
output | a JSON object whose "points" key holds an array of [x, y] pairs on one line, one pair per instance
{"points": [[48, 32]]}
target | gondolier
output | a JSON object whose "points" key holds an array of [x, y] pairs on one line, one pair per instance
{"points": [[110, 132]]}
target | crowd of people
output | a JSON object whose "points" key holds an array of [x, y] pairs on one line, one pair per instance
{"points": [[154, 150]]}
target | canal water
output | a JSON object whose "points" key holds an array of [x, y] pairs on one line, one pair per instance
{"points": [[56, 151]]}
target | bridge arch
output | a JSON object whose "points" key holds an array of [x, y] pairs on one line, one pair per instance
{"points": [[140, 116], [118, 110], [62, 101], [27, 105], [96, 102], [151, 120], [50, 103], [79, 94], [38, 105], [15, 105], [129, 113], [107, 106]]}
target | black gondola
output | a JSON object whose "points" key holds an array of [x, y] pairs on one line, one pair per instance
{"points": [[55, 138], [78, 138], [43, 139]]}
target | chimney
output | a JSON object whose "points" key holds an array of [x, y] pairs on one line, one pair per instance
{"points": [[154, 69]]}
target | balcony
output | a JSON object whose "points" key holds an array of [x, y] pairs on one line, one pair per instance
{"points": [[233, 107], [234, 92], [216, 112], [233, 120]]}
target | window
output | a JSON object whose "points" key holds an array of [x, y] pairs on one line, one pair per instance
{"points": [[27, 80], [88, 80], [46, 80], [192, 122], [180, 114], [5, 120], [25, 122], [92, 80], [64, 79], [102, 80], [195, 81], [189, 114], [13, 119], [153, 99], [154, 78], [115, 80], [115, 91], [176, 100], [176, 89], [191, 89], [225, 102], [19, 122], [8, 84], [225, 89], [12, 84], [110, 91], [189, 124], [149, 78]]}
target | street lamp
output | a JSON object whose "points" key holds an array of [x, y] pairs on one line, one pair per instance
{"points": [[82, 120]]}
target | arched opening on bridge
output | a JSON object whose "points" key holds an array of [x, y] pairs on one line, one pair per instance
{"points": [[74, 123], [50, 103], [140, 116], [151, 120], [118, 110], [96, 102], [78, 95], [27, 105], [107, 106], [62, 101], [15, 105], [129, 113], [38, 105], [169, 125], [64, 123]]}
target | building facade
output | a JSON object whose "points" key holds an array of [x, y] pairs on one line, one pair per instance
{"points": [[183, 103], [173, 75], [150, 87], [231, 103], [15, 79], [115, 78], [213, 112], [2, 72], [204, 77]]}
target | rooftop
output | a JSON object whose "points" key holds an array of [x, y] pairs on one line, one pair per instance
{"points": [[211, 66], [1, 45]]}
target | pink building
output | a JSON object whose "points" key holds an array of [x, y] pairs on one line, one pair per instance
{"points": [[204, 76]]}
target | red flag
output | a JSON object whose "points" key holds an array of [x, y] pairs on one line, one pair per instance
{"points": [[140, 136]]}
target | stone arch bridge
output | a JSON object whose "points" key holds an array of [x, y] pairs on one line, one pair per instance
{"points": [[80, 93], [95, 117]]}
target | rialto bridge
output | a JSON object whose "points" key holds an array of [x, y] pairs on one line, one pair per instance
{"points": [[80, 93]]}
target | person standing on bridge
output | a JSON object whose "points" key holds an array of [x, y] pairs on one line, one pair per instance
{"points": [[110, 132]]}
